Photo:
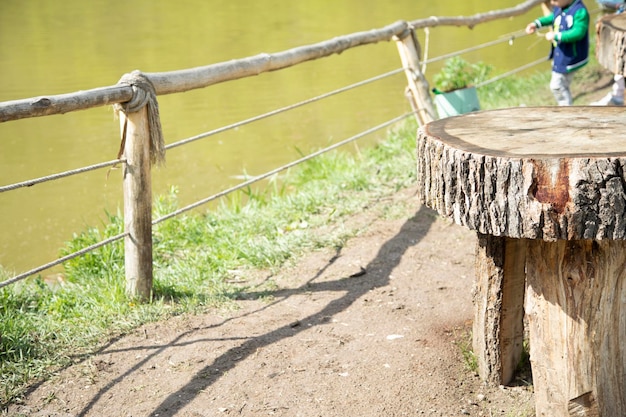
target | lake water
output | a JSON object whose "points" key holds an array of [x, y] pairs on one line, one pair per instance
{"points": [[60, 47]]}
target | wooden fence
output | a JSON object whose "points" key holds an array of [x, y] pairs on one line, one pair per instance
{"points": [[135, 99]]}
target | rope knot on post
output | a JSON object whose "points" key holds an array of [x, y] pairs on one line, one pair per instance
{"points": [[144, 94]]}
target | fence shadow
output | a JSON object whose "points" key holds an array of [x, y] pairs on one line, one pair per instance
{"points": [[410, 234]]}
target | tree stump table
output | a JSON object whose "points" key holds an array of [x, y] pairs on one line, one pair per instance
{"points": [[545, 190], [611, 42]]}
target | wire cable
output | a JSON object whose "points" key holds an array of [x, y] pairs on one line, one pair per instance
{"points": [[282, 109], [30, 183], [506, 38], [63, 259], [279, 169], [203, 201], [506, 74]]}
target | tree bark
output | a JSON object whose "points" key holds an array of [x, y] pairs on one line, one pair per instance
{"points": [[498, 328], [137, 205], [576, 307]]}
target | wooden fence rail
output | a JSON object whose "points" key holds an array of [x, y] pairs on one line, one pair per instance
{"points": [[199, 77], [137, 129]]}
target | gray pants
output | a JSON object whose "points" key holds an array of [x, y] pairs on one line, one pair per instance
{"points": [[559, 84]]}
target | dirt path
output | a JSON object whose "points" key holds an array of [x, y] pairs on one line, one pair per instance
{"points": [[375, 329]]}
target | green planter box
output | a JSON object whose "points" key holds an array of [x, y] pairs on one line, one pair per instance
{"points": [[457, 102]]}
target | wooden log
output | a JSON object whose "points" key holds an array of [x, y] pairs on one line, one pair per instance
{"points": [[498, 328], [540, 173], [198, 77], [611, 43], [577, 326], [408, 48], [137, 204], [64, 103], [471, 21]]}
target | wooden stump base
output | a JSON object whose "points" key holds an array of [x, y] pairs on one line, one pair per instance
{"points": [[576, 307], [545, 189], [575, 302], [498, 329]]}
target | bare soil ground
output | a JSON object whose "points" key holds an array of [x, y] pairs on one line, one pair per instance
{"points": [[377, 328]]}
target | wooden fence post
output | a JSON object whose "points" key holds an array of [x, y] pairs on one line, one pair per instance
{"points": [[417, 90], [137, 204], [498, 328]]}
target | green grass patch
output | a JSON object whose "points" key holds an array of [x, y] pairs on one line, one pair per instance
{"points": [[532, 90]]}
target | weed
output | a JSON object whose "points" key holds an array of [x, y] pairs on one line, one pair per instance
{"points": [[464, 344]]}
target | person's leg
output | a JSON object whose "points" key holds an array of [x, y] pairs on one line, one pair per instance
{"points": [[618, 87], [616, 96], [559, 84]]}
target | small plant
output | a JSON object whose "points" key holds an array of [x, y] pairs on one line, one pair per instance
{"points": [[464, 343], [457, 73]]}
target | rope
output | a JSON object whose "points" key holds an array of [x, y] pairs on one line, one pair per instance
{"points": [[283, 109], [279, 169], [144, 94], [427, 44], [59, 175], [63, 259]]}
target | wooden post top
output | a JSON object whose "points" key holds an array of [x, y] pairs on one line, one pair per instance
{"points": [[610, 45], [529, 172]]}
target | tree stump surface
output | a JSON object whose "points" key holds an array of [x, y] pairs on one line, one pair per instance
{"points": [[610, 43], [544, 188], [538, 173]]}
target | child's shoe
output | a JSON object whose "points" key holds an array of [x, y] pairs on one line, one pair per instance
{"points": [[609, 100]]}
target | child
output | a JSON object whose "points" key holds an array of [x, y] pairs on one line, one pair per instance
{"points": [[570, 44]]}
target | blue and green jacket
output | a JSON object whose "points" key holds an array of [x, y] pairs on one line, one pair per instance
{"points": [[570, 49]]}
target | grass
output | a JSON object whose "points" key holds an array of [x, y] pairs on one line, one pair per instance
{"points": [[44, 327], [464, 344]]}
